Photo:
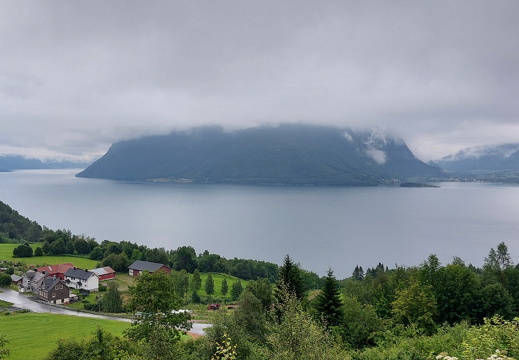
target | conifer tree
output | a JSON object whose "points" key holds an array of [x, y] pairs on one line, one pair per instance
{"points": [[209, 285], [225, 287], [328, 303], [290, 277]]}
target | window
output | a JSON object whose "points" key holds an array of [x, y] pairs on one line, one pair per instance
{"points": [[54, 295]]}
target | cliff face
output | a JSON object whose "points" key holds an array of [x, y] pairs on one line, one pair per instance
{"points": [[288, 155]]}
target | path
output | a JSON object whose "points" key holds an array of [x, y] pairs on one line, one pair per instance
{"points": [[24, 302]]}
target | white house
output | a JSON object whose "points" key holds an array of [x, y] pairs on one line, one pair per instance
{"points": [[81, 279]]}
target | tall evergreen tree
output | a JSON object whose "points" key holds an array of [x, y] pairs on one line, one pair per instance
{"points": [[209, 285], [196, 281], [328, 303], [290, 277], [225, 287]]}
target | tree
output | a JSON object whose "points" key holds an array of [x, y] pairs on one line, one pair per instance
{"points": [[23, 250], [262, 290], [415, 305], [196, 281], [328, 303], [360, 324], [236, 290], [158, 326], [5, 280], [358, 273], [112, 301], [96, 254], [185, 258], [82, 246], [290, 277], [118, 262], [57, 247], [209, 285], [38, 251], [296, 336], [224, 288], [181, 282]]}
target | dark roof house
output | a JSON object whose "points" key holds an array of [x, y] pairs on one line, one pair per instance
{"points": [[54, 290], [139, 266]]}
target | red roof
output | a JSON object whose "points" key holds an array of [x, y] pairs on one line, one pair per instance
{"points": [[55, 269]]}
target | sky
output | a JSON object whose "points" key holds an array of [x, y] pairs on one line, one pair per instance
{"points": [[76, 76]]}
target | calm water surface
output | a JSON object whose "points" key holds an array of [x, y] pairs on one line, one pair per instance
{"points": [[321, 228]]}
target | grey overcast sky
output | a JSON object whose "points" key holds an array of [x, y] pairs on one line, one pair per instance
{"points": [[76, 76]]}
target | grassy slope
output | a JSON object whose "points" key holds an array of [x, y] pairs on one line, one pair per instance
{"points": [[6, 253], [33, 335]]}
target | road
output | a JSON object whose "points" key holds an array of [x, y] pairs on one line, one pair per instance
{"points": [[24, 302]]}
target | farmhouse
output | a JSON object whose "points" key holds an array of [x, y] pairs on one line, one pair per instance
{"points": [[55, 270], [31, 281], [104, 273], [81, 279], [54, 290], [139, 266]]}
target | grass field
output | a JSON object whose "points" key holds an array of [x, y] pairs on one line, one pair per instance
{"points": [[33, 336], [6, 253]]}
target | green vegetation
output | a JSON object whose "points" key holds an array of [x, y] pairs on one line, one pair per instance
{"points": [[431, 311], [33, 336]]}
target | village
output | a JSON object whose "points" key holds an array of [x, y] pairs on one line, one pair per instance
{"points": [[55, 283]]}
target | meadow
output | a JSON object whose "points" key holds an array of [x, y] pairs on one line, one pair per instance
{"points": [[34, 335], [6, 253]]}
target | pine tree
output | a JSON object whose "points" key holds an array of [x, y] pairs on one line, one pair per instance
{"points": [[225, 287], [290, 277], [209, 285], [196, 281], [328, 302]]}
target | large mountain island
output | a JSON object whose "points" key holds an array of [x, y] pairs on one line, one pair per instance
{"points": [[284, 155]]}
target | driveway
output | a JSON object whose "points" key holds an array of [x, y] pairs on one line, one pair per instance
{"points": [[24, 302]]}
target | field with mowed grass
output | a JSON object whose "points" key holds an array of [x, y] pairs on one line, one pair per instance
{"points": [[6, 253], [33, 336]]}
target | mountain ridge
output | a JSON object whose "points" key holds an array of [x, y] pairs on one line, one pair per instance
{"points": [[283, 155]]}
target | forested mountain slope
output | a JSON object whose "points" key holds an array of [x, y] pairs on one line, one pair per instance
{"points": [[285, 155]]}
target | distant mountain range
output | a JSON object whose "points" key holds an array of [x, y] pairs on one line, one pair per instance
{"points": [[16, 162], [483, 159], [284, 155]]}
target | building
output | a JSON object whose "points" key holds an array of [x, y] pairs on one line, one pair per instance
{"points": [[139, 266], [81, 279], [55, 270], [31, 281], [104, 273], [54, 290]]}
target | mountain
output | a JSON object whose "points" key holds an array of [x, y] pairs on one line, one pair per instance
{"points": [[285, 155], [483, 159], [16, 162]]}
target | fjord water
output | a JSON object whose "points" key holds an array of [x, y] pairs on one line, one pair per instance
{"points": [[320, 227]]}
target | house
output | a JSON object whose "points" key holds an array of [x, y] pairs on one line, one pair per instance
{"points": [[81, 279], [104, 273], [31, 281], [139, 266], [55, 270], [54, 290], [16, 279]]}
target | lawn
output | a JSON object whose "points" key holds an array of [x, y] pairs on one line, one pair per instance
{"points": [[6, 253], [33, 336]]}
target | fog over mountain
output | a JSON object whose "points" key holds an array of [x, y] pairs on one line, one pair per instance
{"points": [[283, 155], [78, 76], [483, 159]]}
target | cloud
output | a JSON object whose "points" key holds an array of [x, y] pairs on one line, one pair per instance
{"points": [[77, 76]]}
